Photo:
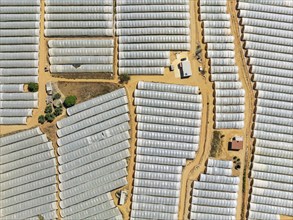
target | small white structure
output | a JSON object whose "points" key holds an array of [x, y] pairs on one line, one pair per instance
{"points": [[123, 197], [186, 68], [49, 88]]}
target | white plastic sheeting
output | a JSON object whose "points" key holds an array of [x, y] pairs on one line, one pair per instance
{"points": [[215, 194], [28, 184], [141, 26], [19, 56], [167, 135], [93, 145], [75, 56], [68, 18], [268, 40], [220, 49]]}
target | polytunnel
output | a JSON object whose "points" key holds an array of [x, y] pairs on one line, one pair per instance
{"points": [[166, 145], [263, 47], [267, 39], [214, 194], [220, 163], [208, 9], [81, 43], [265, 8], [81, 69], [220, 46], [101, 19], [144, 55], [154, 16], [167, 112], [265, 23], [229, 92], [158, 208], [216, 31], [212, 3], [79, 2], [79, 32], [155, 39], [229, 125], [218, 39], [151, 8], [81, 9], [167, 87], [225, 77], [214, 16], [230, 108], [153, 31], [77, 24], [265, 16], [152, 23], [219, 179], [12, 88], [152, 215], [272, 79], [216, 24], [152, 2], [154, 46], [141, 70], [167, 96], [16, 112], [144, 63], [224, 69], [81, 51], [81, 60]]}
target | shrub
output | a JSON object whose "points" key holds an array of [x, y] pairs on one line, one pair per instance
{"points": [[56, 96], [33, 87], [49, 117], [48, 109], [58, 111], [124, 78], [69, 101], [41, 119]]}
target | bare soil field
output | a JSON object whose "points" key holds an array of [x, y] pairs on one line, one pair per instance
{"points": [[86, 90]]}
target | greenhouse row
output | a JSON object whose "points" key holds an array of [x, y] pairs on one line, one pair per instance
{"points": [[18, 60], [146, 29], [215, 193], [224, 72], [28, 179], [76, 56], [93, 148], [79, 18], [267, 35], [167, 136]]}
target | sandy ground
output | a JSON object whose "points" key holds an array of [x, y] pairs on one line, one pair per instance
{"points": [[194, 168]]}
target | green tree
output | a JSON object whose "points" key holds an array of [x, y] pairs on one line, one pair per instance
{"points": [[58, 111], [48, 109], [41, 119], [69, 101], [33, 87], [49, 117], [124, 78], [56, 96]]}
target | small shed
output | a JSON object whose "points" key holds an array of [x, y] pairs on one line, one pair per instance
{"points": [[236, 143], [186, 68], [49, 88]]}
